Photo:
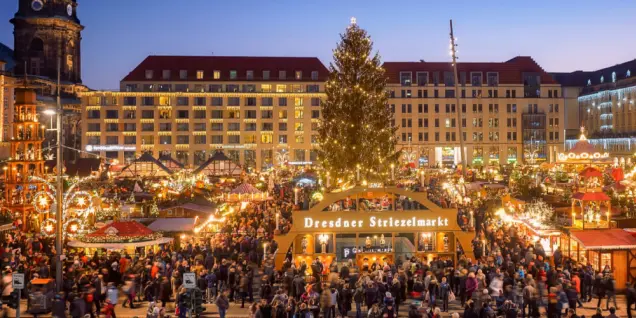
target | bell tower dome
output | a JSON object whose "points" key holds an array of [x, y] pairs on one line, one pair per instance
{"points": [[45, 30]]}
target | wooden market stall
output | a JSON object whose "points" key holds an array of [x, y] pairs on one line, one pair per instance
{"points": [[145, 166], [130, 236], [615, 248], [219, 165]]}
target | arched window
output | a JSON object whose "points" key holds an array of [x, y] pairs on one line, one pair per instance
{"points": [[602, 79], [37, 45], [613, 77]]}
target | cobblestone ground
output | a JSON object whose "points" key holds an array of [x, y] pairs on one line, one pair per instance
{"points": [[236, 311]]}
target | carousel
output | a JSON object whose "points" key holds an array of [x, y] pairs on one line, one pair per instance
{"points": [[130, 236], [583, 154]]}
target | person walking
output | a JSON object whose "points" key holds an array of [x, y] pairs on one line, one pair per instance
{"points": [[222, 303], [610, 291], [599, 288], [112, 295]]}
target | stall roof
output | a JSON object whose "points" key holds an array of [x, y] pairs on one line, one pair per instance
{"points": [[608, 239], [173, 225], [591, 196]]}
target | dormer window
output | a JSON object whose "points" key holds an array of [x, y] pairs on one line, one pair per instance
{"points": [[183, 74], [199, 74], [282, 75], [492, 78], [406, 78], [233, 74], [217, 74], [314, 75], [165, 74], [148, 74], [613, 77], [298, 75], [249, 75], [266, 75]]}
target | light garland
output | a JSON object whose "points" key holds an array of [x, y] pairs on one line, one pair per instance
{"points": [[119, 238]]}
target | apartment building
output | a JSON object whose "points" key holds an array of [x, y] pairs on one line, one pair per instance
{"points": [[7, 84], [509, 111], [606, 106], [260, 110]]}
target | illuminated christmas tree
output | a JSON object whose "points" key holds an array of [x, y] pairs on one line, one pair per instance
{"points": [[356, 131]]}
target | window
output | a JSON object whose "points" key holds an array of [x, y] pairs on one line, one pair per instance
{"points": [[250, 114], [217, 101], [315, 101], [282, 101], [422, 78], [282, 126], [250, 101], [216, 127], [282, 75], [298, 75], [165, 126], [217, 139], [130, 127], [267, 127], [266, 88], [281, 88], [282, 139], [183, 74], [406, 78], [299, 127], [234, 114], [148, 101], [215, 88], [183, 114], [183, 139], [130, 140], [215, 75], [234, 127], [282, 114], [315, 114], [300, 139], [199, 114], [233, 74], [267, 101], [314, 75], [250, 127], [475, 78], [249, 88], [216, 114], [147, 114], [148, 74], [183, 127], [233, 101], [492, 78], [231, 88], [436, 122], [449, 79], [267, 114], [266, 74], [130, 101], [298, 101], [267, 139], [165, 140], [199, 101], [147, 127], [313, 88], [249, 75], [436, 108]]}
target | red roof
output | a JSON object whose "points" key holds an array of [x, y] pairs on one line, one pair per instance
{"points": [[590, 172], [225, 64], [591, 196], [124, 228], [605, 239], [583, 146], [510, 72]]}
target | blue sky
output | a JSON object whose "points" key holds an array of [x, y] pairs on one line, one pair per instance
{"points": [[560, 35]]}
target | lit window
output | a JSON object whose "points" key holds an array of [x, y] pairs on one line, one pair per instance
{"points": [[282, 114], [299, 114], [217, 74], [281, 88], [267, 138], [266, 88], [199, 74], [232, 74], [299, 127], [300, 139], [298, 101], [298, 75], [164, 101], [629, 73], [447, 123], [148, 74]]}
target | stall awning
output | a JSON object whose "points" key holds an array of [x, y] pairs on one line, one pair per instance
{"points": [[608, 239], [173, 225], [591, 196], [120, 246]]}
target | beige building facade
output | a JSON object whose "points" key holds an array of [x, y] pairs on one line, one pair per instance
{"points": [[260, 111], [510, 112]]}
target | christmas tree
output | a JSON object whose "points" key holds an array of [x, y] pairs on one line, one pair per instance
{"points": [[356, 132]]}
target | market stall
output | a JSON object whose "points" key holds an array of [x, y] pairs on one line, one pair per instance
{"points": [[145, 166], [130, 236]]}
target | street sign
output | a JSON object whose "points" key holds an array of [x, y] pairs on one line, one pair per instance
{"points": [[18, 281], [189, 280]]}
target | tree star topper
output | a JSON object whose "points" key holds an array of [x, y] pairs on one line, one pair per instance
{"points": [[353, 20]]}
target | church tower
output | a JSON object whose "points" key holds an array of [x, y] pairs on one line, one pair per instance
{"points": [[44, 29]]}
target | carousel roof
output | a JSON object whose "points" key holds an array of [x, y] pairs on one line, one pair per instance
{"points": [[591, 196], [219, 165], [146, 165], [122, 228], [582, 146], [245, 188]]}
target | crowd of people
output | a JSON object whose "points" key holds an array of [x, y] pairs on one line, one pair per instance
{"points": [[509, 275]]}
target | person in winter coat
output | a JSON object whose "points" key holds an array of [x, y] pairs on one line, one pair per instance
{"points": [[599, 287], [630, 295], [266, 289], [325, 303], [413, 312], [375, 312], [59, 307], [359, 298], [371, 295], [112, 294], [222, 303], [444, 292], [433, 291], [243, 282], [610, 290], [469, 310], [164, 291], [471, 285]]}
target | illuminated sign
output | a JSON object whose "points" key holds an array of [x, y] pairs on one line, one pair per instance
{"points": [[110, 148], [373, 221], [300, 163], [585, 155]]}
